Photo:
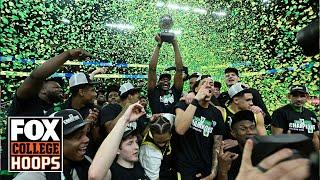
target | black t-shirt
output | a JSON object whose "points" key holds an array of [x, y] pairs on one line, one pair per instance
{"points": [[287, 118], [108, 113], [257, 101], [215, 101], [31, 107], [120, 173], [193, 150], [161, 101], [111, 111], [235, 165]]}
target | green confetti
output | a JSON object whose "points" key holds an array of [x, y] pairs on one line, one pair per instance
{"points": [[4, 20]]}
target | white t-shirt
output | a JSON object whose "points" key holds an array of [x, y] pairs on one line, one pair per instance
{"points": [[150, 159]]}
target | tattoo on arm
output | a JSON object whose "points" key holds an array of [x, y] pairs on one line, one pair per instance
{"points": [[215, 150]]}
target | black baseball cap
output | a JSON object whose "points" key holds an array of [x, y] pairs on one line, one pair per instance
{"points": [[298, 88], [72, 120], [194, 75], [167, 75], [131, 129], [231, 69], [245, 115]]}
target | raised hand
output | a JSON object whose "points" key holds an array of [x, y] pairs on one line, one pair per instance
{"points": [[154, 117], [203, 92], [225, 160], [158, 39], [133, 112], [93, 115], [256, 109], [78, 54], [229, 143]]}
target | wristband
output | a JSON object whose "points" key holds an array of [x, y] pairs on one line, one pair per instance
{"points": [[195, 102]]}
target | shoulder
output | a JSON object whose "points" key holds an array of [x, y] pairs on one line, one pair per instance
{"points": [[155, 89], [216, 109], [221, 109], [31, 175], [111, 107], [175, 90], [57, 107], [311, 113], [282, 109], [88, 158], [149, 150]]}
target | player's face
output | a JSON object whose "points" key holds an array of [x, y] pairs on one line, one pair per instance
{"points": [[113, 97], [129, 149], [162, 139], [244, 130], [75, 147], [208, 83], [164, 83], [298, 99], [231, 78], [245, 102]]}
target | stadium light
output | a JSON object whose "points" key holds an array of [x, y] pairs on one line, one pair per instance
{"points": [[221, 13], [120, 26], [199, 11]]}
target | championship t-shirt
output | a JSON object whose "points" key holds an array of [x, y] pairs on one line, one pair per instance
{"points": [[161, 101], [193, 150], [287, 118]]}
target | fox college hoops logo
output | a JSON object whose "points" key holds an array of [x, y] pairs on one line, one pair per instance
{"points": [[35, 144]]}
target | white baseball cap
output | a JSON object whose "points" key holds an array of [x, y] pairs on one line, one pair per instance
{"points": [[237, 88], [80, 78], [126, 87]]}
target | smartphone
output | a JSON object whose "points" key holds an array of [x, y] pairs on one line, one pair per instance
{"points": [[263, 146]]}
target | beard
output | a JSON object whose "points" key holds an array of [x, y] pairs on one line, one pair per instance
{"points": [[54, 97]]}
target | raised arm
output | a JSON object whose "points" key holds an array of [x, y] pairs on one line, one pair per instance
{"points": [[109, 125], [178, 79], [184, 118], [260, 124], [97, 71], [100, 166], [152, 72], [32, 84], [316, 140]]}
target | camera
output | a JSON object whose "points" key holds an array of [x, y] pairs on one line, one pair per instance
{"points": [[302, 146]]}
